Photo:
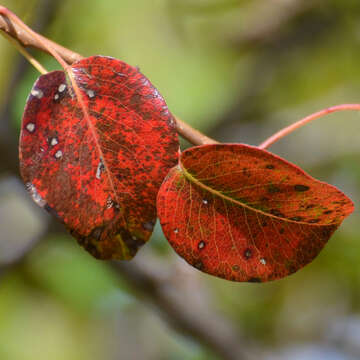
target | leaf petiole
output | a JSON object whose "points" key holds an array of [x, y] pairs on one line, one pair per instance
{"points": [[289, 129]]}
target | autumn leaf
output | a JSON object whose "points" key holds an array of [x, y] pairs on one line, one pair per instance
{"points": [[98, 167], [244, 214]]}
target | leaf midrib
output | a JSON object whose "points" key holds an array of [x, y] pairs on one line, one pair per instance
{"points": [[93, 132], [191, 178]]}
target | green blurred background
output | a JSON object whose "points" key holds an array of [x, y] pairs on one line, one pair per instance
{"points": [[239, 71]]}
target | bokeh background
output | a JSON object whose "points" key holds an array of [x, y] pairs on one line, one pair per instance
{"points": [[238, 70]]}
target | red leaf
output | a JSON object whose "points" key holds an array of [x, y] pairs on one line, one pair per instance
{"points": [[98, 170], [244, 214]]}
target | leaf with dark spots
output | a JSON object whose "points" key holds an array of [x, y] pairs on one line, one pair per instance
{"points": [[99, 166], [251, 233]]}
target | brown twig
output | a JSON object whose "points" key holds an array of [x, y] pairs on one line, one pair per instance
{"points": [[27, 40], [18, 31]]}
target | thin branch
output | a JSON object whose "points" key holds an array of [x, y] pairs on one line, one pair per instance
{"points": [[16, 29], [25, 53], [44, 42], [289, 129], [27, 39]]}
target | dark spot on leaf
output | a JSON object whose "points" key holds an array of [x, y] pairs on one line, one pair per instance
{"points": [[135, 99], [247, 254], [270, 167], [272, 189], [282, 230], [310, 206], [328, 212], [296, 218], [327, 231], [246, 172], [276, 213], [290, 266], [314, 221], [115, 205], [236, 267], [199, 265], [254, 280], [301, 188]]}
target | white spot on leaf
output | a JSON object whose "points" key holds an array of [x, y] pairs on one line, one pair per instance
{"points": [[109, 203], [30, 127], [54, 141], [62, 88], [263, 261], [37, 93], [100, 169], [205, 202], [58, 154], [90, 93]]}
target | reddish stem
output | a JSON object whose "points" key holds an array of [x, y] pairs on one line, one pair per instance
{"points": [[289, 129]]}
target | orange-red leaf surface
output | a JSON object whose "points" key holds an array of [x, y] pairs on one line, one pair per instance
{"points": [[244, 214], [98, 170]]}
